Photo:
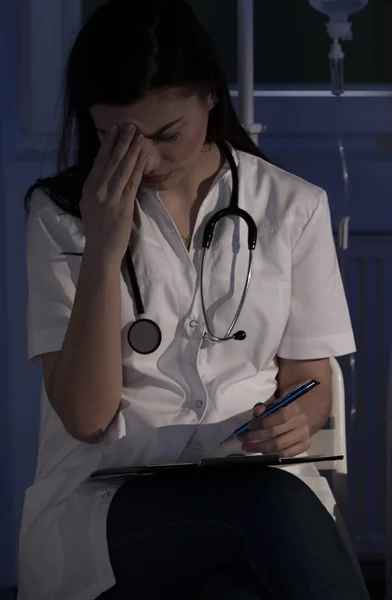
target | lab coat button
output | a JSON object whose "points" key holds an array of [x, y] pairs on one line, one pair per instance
{"points": [[199, 404], [193, 323]]}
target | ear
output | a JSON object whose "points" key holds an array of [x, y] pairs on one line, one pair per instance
{"points": [[211, 101]]}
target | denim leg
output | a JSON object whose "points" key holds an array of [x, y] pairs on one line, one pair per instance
{"points": [[179, 559], [233, 584], [171, 534]]}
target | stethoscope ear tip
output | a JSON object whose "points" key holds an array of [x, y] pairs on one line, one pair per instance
{"points": [[239, 335]]}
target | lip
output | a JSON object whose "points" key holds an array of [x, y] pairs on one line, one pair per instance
{"points": [[157, 178]]}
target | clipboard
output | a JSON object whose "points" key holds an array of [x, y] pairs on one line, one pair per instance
{"points": [[205, 464]]}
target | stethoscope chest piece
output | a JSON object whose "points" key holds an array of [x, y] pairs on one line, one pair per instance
{"points": [[144, 336]]}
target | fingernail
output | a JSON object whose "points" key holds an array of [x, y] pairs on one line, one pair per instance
{"points": [[129, 128]]}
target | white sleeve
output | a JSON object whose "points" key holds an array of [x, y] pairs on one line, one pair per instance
{"points": [[52, 280], [51, 277], [319, 323]]}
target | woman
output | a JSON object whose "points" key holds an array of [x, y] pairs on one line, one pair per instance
{"points": [[155, 131]]}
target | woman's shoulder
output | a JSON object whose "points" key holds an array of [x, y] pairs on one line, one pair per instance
{"points": [[42, 206], [56, 195], [285, 194], [50, 212]]}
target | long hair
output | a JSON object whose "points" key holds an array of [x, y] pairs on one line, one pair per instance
{"points": [[126, 50]]}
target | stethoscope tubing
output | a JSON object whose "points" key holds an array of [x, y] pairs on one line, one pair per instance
{"points": [[233, 210]]}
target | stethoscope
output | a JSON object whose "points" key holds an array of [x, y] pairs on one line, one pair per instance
{"points": [[144, 335]]}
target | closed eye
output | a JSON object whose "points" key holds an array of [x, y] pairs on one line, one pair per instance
{"points": [[160, 139]]}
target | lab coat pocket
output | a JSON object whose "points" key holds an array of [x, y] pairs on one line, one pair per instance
{"points": [[41, 556], [266, 304], [229, 255], [263, 316]]}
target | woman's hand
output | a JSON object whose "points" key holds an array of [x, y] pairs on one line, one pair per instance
{"points": [[286, 432], [109, 192]]}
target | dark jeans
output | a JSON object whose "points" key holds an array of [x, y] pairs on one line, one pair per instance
{"points": [[227, 535]]}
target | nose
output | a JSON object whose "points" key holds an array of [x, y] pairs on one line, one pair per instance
{"points": [[153, 157]]}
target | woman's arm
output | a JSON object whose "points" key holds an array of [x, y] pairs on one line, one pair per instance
{"points": [[317, 404], [288, 431], [84, 381], [318, 325]]}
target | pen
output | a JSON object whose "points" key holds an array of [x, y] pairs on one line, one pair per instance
{"points": [[294, 394]]}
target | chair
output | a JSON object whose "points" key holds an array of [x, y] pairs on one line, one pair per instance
{"points": [[389, 490], [332, 441]]}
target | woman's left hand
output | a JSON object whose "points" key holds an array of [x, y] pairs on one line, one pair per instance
{"points": [[286, 432]]}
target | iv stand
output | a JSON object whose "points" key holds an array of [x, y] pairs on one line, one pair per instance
{"points": [[245, 50]]}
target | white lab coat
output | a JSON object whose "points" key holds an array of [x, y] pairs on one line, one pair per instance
{"points": [[181, 401]]}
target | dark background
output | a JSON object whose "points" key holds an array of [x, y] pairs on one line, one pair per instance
{"points": [[291, 42]]}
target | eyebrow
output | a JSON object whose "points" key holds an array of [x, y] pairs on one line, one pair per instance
{"points": [[156, 133]]}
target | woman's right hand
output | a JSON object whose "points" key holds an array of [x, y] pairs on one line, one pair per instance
{"points": [[108, 198]]}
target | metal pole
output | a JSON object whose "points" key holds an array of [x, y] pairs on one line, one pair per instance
{"points": [[245, 60], [388, 589], [245, 52]]}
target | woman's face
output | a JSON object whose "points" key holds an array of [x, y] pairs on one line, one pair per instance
{"points": [[175, 129]]}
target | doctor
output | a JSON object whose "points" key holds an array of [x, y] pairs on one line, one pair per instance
{"points": [[158, 149]]}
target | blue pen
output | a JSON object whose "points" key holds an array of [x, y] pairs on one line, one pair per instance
{"points": [[294, 394]]}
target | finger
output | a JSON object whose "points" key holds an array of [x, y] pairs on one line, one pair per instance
{"points": [[281, 443], [259, 409], [133, 183], [124, 171], [125, 138], [267, 434], [280, 417], [103, 156], [294, 450], [260, 431]]}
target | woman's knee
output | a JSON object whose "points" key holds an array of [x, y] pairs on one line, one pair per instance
{"points": [[280, 488]]}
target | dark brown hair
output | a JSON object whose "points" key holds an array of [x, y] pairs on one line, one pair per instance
{"points": [[125, 50]]}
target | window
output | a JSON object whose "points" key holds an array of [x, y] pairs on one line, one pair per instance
{"points": [[291, 42]]}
